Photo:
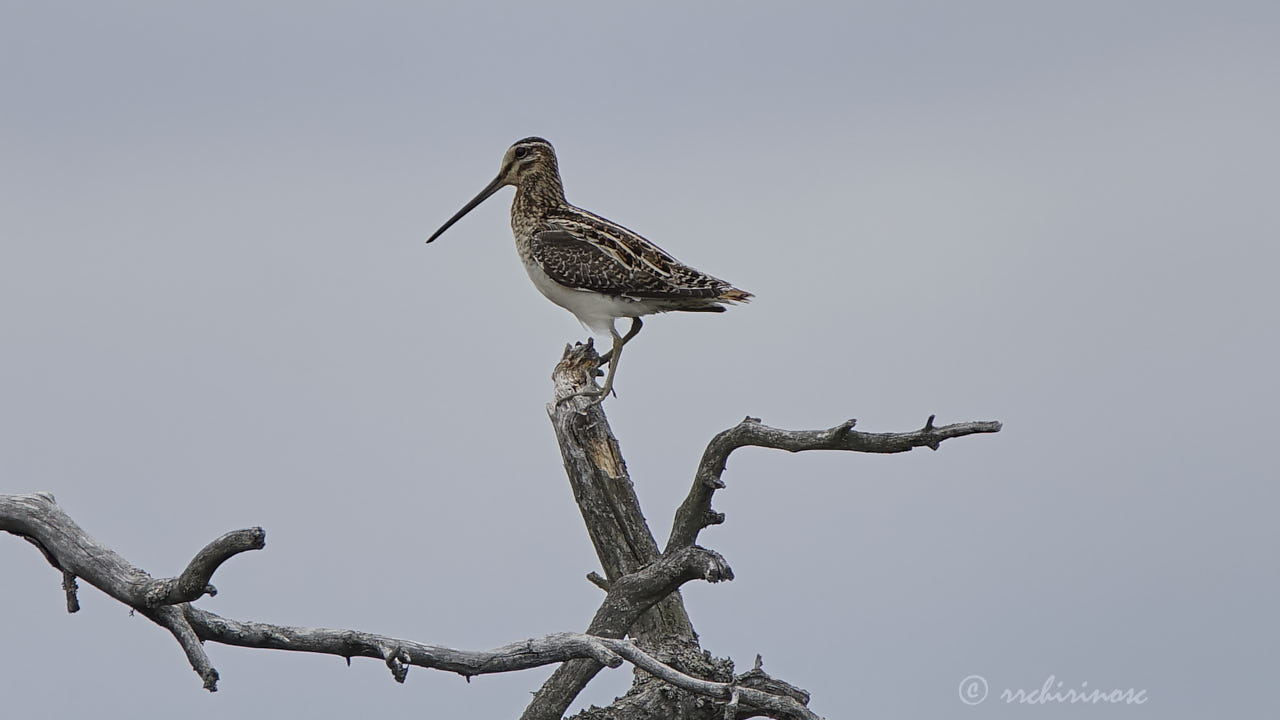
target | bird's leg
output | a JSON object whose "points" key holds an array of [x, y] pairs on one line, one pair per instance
{"points": [[611, 358], [636, 324], [614, 355]]}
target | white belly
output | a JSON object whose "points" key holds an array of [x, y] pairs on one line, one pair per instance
{"points": [[594, 310]]}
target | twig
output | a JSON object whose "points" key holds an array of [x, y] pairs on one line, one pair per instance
{"points": [[70, 587], [172, 619]]}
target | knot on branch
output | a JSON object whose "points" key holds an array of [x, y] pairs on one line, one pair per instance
{"points": [[840, 432], [929, 437], [714, 568], [398, 661]]}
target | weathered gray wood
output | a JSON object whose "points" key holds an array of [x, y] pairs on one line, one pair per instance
{"points": [[695, 512], [38, 518], [674, 677], [70, 549], [625, 545], [617, 528], [604, 493], [629, 556]]}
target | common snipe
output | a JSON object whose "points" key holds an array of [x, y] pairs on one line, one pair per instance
{"points": [[592, 267]]}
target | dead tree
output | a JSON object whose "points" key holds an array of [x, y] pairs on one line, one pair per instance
{"points": [[642, 620]]}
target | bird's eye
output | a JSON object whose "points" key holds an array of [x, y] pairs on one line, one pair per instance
{"points": [[521, 152]]}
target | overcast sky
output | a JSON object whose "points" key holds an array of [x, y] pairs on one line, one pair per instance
{"points": [[217, 311]]}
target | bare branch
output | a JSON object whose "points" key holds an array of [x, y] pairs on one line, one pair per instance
{"points": [[521, 655], [635, 573], [172, 619], [773, 705], [38, 518], [611, 511], [631, 595], [642, 586], [70, 549], [70, 587], [695, 512], [194, 581], [757, 679], [628, 598]]}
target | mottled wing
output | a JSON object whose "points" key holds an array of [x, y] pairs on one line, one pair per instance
{"points": [[576, 263], [625, 246], [584, 258]]}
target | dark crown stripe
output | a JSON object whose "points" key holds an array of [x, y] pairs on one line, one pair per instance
{"points": [[532, 139]]}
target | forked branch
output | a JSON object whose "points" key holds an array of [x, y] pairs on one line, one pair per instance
{"points": [[38, 518], [695, 512], [70, 549], [627, 599]]}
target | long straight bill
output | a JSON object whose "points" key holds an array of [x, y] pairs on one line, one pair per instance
{"points": [[490, 189]]}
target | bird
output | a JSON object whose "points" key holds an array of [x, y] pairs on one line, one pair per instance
{"points": [[593, 267]]}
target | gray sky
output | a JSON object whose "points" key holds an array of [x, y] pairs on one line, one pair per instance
{"points": [[216, 311]]}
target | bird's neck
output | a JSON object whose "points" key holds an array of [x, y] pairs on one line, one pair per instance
{"points": [[538, 193]]}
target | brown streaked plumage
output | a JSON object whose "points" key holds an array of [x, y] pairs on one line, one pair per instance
{"points": [[592, 267]]}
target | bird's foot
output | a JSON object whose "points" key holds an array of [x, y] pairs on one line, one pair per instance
{"points": [[597, 396]]}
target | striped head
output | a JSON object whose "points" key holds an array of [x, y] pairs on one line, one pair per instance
{"points": [[529, 164], [526, 159]]}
